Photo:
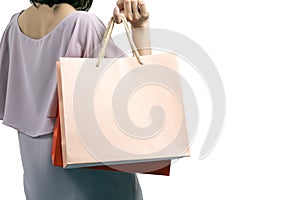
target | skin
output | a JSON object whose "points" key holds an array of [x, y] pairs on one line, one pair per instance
{"points": [[38, 22], [137, 14]]}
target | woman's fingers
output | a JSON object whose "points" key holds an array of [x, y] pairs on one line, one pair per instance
{"points": [[120, 4], [134, 10], [143, 10], [117, 15], [127, 10]]}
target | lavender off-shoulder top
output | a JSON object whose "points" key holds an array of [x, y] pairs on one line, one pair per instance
{"points": [[28, 73]]}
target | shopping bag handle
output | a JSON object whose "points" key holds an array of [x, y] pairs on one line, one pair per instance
{"points": [[107, 35]]}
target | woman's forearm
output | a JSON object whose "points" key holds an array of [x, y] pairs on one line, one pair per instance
{"points": [[141, 38]]}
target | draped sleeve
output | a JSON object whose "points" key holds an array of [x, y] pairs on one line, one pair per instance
{"points": [[4, 63], [87, 37]]}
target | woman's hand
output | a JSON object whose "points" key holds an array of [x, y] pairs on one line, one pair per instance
{"points": [[134, 10], [137, 14]]}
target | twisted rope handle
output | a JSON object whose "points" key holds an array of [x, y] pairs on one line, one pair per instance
{"points": [[107, 36]]}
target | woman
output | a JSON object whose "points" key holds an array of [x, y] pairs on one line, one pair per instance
{"points": [[31, 44]]}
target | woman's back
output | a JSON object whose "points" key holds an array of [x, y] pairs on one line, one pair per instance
{"points": [[36, 23]]}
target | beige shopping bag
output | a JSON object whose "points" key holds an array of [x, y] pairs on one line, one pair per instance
{"points": [[119, 111]]}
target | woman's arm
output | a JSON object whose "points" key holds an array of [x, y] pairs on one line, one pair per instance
{"points": [[137, 14]]}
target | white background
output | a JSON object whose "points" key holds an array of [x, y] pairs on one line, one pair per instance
{"points": [[255, 46]]}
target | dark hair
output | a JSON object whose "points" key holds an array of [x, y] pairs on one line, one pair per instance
{"points": [[77, 4]]}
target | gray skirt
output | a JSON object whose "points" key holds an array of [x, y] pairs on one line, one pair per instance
{"points": [[43, 181]]}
